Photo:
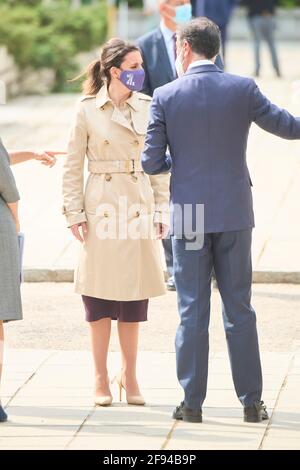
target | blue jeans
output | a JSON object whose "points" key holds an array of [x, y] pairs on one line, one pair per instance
{"points": [[263, 29]]}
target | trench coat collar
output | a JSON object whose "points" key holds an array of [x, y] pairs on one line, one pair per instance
{"points": [[103, 97]]}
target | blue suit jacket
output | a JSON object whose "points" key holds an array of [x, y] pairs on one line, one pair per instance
{"points": [[156, 61], [204, 117], [218, 11]]}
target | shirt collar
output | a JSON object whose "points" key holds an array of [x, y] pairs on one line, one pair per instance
{"points": [[167, 33], [103, 97], [197, 63]]}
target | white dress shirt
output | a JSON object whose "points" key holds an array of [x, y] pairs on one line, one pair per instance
{"points": [[197, 63]]}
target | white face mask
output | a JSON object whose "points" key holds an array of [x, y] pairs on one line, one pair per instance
{"points": [[179, 66]]}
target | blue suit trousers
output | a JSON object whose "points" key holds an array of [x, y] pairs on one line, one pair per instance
{"points": [[229, 254]]}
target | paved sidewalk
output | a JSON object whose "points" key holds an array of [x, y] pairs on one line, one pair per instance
{"points": [[48, 396], [54, 318], [274, 164]]}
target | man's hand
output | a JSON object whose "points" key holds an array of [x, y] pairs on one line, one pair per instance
{"points": [[47, 157], [79, 231], [162, 231]]}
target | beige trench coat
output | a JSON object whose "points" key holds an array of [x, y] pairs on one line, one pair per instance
{"points": [[120, 258]]}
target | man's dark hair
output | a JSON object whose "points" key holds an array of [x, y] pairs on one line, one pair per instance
{"points": [[203, 35]]}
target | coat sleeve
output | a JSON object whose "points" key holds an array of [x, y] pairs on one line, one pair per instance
{"points": [[73, 171], [8, 188], [273, 119], [154, 157], [161, 189]]}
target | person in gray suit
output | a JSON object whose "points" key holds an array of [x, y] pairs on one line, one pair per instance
{"points": [[204, 118], [10, 296], [159, 54]]}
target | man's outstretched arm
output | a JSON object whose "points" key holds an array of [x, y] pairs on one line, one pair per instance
{"points": [[154, 158], [273, 119]]}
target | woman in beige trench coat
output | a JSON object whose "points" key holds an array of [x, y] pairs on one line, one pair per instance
{"points": [[120, 215]]}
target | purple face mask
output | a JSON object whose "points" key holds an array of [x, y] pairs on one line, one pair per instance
{"points": [[133, 79]]}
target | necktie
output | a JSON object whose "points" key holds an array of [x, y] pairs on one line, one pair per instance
{"points": [[174, 45], [175, 54]]}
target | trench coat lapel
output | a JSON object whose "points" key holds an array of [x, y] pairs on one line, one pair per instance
{"points": [[139, 120], [117, 115], [119, 118]]}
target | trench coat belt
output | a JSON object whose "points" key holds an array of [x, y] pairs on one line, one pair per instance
{"points": [[115, 166]]}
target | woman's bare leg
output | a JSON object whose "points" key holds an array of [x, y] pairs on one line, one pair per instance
{"points": [[100, 336], [128, 337]]}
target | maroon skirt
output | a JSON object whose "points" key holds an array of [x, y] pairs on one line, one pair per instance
{"points": [[125, 311]]}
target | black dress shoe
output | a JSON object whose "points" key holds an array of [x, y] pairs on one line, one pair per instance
{"points": [[184, 413], [171, 284], [3, 415], [255, 413]]}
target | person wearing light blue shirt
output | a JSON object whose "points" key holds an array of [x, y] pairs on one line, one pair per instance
{"points": [[159, 54], [170, 43]]}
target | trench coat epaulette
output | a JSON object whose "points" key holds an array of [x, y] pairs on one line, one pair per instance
{"points": [[87, 97], [142, 96]]}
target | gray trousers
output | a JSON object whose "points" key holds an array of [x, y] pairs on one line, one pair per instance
{"points": [[263, 29], [229, 253]]}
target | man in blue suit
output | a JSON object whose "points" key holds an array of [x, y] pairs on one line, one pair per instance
{"points": [[159, 54], [204, 118], [159, 48]]}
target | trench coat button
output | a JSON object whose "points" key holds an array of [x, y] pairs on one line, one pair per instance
{"points": [[106, 214], [137, 214], [106, 142], [136, 142], [108, 177]]}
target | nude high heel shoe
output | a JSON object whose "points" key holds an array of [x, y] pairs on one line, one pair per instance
{"points": [[103, 401], [131, 400]]}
